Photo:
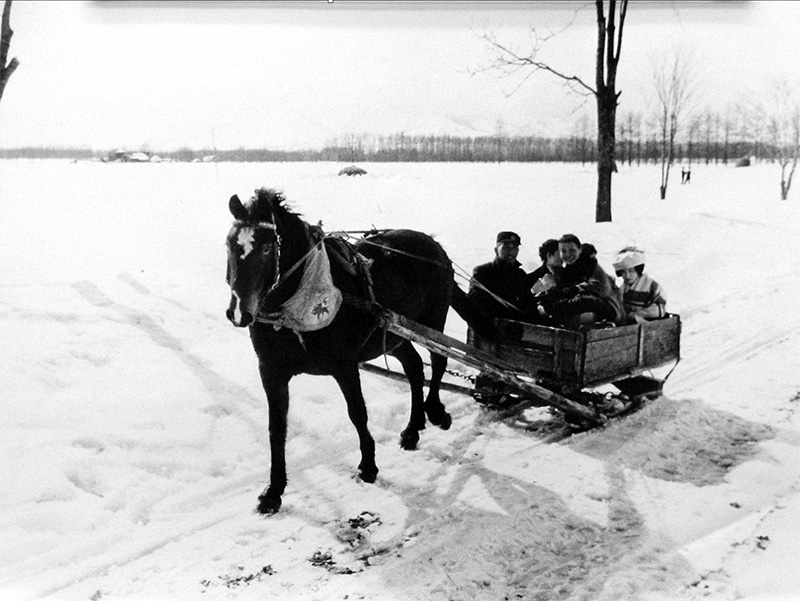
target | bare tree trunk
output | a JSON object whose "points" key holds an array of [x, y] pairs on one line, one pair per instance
{"points": [[786, 180], [609, 44], [5, 44], [606, 141]]}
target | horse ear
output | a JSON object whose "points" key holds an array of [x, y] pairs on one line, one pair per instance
{"points": [[237, 208]]}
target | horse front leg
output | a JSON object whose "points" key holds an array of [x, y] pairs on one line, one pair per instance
{"points": [[433, 404], [412, 366], [349, 381], [277, 389]]}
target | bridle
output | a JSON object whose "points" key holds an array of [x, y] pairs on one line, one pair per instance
{"points": [[273, 248]]}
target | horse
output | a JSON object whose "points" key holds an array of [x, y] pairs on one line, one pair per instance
{"points": [[280, 271]]}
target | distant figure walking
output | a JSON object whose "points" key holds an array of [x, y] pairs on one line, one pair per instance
{"points": [[686, 175]]}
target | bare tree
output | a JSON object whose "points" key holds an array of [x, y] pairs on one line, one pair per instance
{"points": [[5, 44], [708, 133], [626, 137], [630, 137], [582, 139], [695, 126], [609, 45], [782, 125], [673, 83]]}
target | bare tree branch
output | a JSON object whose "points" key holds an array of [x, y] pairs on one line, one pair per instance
{"points": [[509, 61], [5, 44], [610, 41], [599, 72], [622, 14], [5, 40]]}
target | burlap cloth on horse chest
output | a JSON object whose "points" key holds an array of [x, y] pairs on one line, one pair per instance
{"points": [[317, 300]]}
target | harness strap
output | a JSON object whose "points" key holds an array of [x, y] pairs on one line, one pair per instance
{"points": [[366, 273], [369, 307], [356, 264], [297, 265]]}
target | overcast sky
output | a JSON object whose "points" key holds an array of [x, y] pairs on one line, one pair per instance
{"points": [[165, 75]]}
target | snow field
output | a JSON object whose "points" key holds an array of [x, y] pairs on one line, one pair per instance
{"points": [[135, 426]]}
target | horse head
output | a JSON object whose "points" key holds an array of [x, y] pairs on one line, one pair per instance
{"points": [[254, 253]]}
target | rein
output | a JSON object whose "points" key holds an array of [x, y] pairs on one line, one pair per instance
{"points": [[281, 278], [407, 254], [368, 305], [468, 278]]}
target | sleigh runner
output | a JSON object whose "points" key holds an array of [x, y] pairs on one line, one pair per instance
{"points": [[545, 366]]}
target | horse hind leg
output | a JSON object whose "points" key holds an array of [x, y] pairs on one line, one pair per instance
{"points": [[412, 366], [433, 404]]}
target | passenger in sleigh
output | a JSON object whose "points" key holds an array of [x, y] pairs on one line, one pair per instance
{"points": [[642, 297], [545, 276], [501, 288], [584, 295]]}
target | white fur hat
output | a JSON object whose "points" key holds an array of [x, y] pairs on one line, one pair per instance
{"points": [[628, 257]]}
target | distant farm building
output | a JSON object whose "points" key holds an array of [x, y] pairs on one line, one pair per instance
{"points": [[124, 156]]}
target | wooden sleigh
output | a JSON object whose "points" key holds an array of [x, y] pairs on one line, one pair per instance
{"points": [[546, 366]]}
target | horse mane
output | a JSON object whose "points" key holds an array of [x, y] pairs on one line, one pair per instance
{"points": [[268, 203]]}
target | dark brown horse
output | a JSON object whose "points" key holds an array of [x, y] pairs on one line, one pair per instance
{"points": [[277, 267]]}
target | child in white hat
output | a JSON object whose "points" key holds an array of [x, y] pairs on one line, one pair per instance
{"points": [[642, 297]]}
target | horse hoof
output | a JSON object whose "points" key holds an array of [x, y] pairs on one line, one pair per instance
{"points": [[409, 439], [443, 420], [268, 504], [368, 475]]}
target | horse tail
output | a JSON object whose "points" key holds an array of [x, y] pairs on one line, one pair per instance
{"points": [[478, 321]]}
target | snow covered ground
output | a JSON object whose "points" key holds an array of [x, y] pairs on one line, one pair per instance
{"points": [[134, 430]]}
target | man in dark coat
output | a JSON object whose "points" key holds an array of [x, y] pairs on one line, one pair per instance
{"points": [[501, 288]]}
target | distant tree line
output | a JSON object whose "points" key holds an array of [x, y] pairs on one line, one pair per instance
{"points": [[32, 152], [182, 155], [428, 148], [710, 138]]}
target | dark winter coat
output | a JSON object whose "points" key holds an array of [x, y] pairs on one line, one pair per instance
{"points": [[588, 287], [506, 280]]}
